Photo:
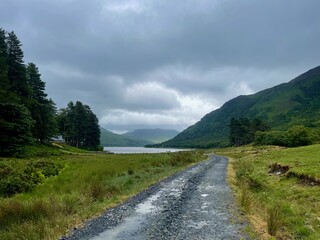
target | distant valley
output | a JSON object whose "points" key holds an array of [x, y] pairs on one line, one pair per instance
{"points": [[136, 138]]}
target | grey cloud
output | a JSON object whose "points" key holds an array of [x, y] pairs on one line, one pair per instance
{"points": [[234, 33], [98, 51], [151, 96]]}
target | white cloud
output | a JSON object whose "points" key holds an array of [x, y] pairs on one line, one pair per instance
{"points": [[191, 109], [151, 95], [126, 117], [124, 6]]}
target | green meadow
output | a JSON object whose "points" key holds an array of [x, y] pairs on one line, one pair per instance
{"points": [[280, 205], [82, 185]]}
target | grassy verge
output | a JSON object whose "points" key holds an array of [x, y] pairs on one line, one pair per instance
{"points": [[278, 189], [86, 186]]}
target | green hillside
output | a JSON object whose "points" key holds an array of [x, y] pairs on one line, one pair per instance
{"points": [[152, 135], [110, 139], [281, 107]]}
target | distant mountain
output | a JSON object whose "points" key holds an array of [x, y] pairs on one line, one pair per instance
{"points": [[294, 103], [110, 139], [152, 135]]}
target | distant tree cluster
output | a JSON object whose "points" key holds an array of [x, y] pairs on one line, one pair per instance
{"points": [[242, 130], [26, 113], [79, 126], [293, 137]]}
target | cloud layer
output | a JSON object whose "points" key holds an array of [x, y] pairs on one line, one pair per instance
{"points": [[149, 63]]}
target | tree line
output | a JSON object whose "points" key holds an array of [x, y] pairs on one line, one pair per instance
{"points": [[27, 115], [243, 131]]}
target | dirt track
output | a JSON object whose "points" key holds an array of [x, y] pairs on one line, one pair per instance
{"points": [[194, 204]]}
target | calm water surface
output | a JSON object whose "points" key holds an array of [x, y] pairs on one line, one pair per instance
{"points": [[127, 150]]}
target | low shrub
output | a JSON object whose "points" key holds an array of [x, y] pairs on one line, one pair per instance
{"points": [[48, 168], [97, 191], [5, 170], [25, 177]]}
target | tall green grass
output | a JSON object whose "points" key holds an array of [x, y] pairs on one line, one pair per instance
{"points": [[86, 186], [289, 207]]}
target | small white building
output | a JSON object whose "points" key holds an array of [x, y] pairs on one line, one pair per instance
{"points": [[58, 139]]}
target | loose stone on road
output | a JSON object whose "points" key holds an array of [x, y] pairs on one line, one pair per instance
{"points": [[194, 204]]}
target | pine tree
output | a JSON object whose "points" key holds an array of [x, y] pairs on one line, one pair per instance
{"points": [[4, 83], [15, 125], [25, 111], [93, 130], [16, 68], [242, 131], [37, 85], [48, 125], [15, 119], [42, 110]]}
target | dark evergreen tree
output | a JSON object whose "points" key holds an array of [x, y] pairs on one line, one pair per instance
{"points": [[233, 136], [15, 125], [93, 132], [79, 126], [16, 68], [242, 131], [15, 119], [66, 123], [4, 83], [42, 110], [239, 131], [259, 125], [37, 92], [25, 111]]}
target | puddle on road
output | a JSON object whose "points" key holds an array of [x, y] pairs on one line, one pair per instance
{"points": [[132, 223], [197, 225], [147, 206]]}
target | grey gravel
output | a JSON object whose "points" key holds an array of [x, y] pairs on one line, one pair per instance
{"points": [[196, 203]]}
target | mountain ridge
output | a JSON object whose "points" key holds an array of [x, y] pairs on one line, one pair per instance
{"points": [[296, 102], [136, 138], [110, 139], [155, 135]]}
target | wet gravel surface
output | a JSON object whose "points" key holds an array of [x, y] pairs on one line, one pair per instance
{"points": [[193, 204]]}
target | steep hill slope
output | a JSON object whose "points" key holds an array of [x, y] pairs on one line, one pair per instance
{"points": [[152, 135], [285, 105], [110, 139]]}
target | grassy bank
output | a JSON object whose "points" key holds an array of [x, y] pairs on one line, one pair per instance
{"points": [[278, 189], [85, 186]]}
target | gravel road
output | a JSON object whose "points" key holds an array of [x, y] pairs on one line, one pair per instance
{"points": [[193, 204]]}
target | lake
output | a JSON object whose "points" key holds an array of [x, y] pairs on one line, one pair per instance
{"points": [[127, 150]]}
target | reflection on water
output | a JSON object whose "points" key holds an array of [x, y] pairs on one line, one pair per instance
{"points": [[127, 150]]}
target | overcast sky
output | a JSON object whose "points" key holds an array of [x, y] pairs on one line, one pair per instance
{"points": [[163, 63]]}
